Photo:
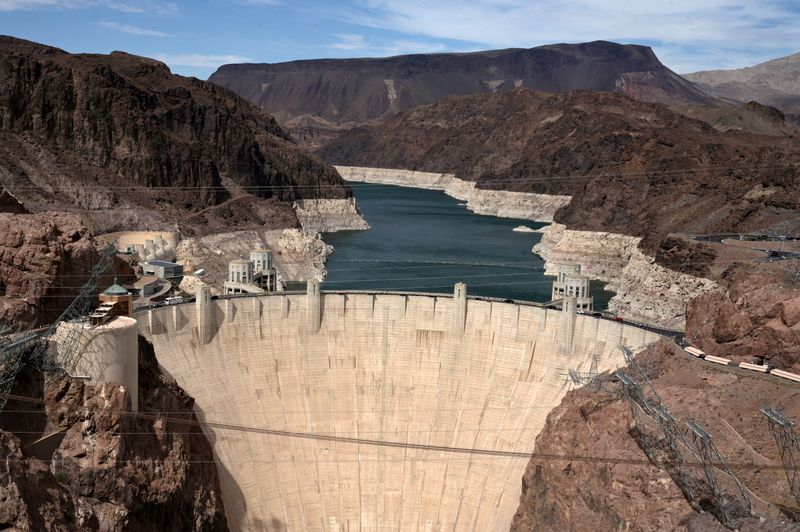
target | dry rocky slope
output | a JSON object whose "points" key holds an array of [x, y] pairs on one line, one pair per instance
{"points": [[775, 83], [631, 167], [317, 98], [622, 489], [122, 141], [79, 460]]}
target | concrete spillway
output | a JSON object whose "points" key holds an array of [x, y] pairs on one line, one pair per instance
{"points": [[413, 369]]}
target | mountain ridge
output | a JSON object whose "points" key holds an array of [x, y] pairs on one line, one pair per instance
{"points": [[341, 93], [121, 140]]}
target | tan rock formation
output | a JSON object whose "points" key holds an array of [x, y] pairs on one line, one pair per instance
{"points": [[329, 215], [44, 261], [76, 459], [645, 291], [605, 481], [524, 205], [298, 255], [754, 320]]}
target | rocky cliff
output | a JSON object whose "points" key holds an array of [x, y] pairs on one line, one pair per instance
{"points": [[523, 205], [645, 291], [45, 259], [315, 98], [589, 472], [122, 141], [74, 457], [631, 167], [755, 319]]}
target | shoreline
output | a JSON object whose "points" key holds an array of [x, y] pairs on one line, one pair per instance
{"points": [[500, 203], [643, 290]]}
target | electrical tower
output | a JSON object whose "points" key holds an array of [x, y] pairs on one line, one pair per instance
{"points": [[782, 429], [46, 356], [730, 508], [590, 378]]}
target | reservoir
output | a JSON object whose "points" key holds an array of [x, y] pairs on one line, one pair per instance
{"points": [[425, 241]]}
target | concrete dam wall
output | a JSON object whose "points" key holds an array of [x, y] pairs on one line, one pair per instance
{"points": [[353, 371]]}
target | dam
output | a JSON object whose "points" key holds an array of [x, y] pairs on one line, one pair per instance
{"points": [[344, 411]]}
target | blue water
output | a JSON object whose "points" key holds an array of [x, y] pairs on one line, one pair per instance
{"points": [[424, 241]]}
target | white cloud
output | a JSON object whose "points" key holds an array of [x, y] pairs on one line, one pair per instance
{"points": [[722, 32], [357, 42], [133, 30], [200, 60]]}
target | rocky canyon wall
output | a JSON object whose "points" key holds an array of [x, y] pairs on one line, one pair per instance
{"points": [[524, 205], [645, 291]]}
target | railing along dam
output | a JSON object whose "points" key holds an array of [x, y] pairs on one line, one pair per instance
{"points": [[421, 372]]}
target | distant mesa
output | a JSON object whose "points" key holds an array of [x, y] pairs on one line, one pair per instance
{"points": [[314, 98]]}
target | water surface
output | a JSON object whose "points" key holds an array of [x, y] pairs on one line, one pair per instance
{"points": [[425, 241]]}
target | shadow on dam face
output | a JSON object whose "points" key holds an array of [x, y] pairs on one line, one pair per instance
{"points": [[413, 370]]}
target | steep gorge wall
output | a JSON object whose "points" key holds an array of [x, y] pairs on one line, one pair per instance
{"points": [[376, 367], [645, 291]]}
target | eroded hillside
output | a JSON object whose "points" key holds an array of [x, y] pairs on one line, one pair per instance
{"points": [[631, 167], [124, 142]]}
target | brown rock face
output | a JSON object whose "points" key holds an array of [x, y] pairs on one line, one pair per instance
{"points": [[632, 167], [589, 473], [125, 142], [45, 259], [109, 470], [315, 98], [755, 321]]}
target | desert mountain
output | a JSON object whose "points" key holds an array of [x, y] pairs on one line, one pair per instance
{"points": [[775, 83], [125, 143], [632, 167], [309, 96]]}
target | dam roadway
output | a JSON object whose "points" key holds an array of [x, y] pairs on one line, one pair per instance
{"points": [[419, 373]]}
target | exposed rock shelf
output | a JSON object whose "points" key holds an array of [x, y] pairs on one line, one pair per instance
{"points": [[329, 215], [523, 205], [645, 291], [298, 255]]}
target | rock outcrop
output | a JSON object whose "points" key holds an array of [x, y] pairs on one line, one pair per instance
{"points": [[588, 472], [328, 215], [298, 255], [523, 205], [756, 319], [122, 141], [45, 259], [645, 291], [74, 457]]}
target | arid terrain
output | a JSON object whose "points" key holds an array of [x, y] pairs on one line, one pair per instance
{"points": [[123, 142], [315, 100], [631, 167], [621, 488], [775, 83], [75, 457]]}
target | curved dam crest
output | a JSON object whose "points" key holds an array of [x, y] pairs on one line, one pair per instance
{"points": [[417, 370]]}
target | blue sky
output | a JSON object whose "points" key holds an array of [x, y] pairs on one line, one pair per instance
{"points": [[194, 37]]}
